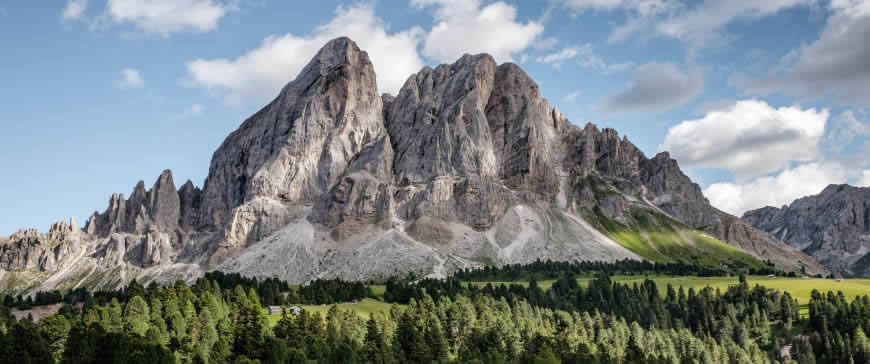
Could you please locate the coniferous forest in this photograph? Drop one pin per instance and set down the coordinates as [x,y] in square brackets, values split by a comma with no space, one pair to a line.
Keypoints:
[221,319]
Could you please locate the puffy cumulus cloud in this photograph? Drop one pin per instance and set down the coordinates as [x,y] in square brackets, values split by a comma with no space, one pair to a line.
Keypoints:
[167,16]
[259,74]
[703,23]
[74,10]
[834,64]
[781,189]
[463,26]
[585,56]
[131,78]
[656,87]
[751,138]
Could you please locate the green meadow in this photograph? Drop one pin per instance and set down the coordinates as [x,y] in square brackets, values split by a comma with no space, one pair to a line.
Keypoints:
[363,308]
[799,288]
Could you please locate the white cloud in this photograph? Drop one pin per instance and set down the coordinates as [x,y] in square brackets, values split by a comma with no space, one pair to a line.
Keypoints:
[656,87]
[836,63]
[642,7]
[571,97]
[585,56]
[778,190]
[864,179]
[556,59]
[844,130]
[193,111]
[462,26]
[74,10]
[131,78]
[545,44]
[703,23]
[259,74]
[642,13]
[700,25]
[751,138]
[167,16]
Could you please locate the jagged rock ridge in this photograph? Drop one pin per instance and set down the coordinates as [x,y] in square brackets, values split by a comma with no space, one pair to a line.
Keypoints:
[833,226]
[467,165]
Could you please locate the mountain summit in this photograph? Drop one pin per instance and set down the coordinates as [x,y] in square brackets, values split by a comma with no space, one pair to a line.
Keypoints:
[468,165]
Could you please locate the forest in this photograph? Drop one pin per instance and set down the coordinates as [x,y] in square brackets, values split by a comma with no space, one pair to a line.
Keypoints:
[220,318]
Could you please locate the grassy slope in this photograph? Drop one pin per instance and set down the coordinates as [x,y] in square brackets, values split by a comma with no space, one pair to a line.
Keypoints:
[364,309]
[661,239]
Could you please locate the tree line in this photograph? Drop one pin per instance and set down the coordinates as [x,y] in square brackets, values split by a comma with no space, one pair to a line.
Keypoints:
[545,270]
[220,319]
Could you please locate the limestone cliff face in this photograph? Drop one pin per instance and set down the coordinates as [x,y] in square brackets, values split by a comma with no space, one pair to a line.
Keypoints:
[467,165]
[833,226]
[295,149]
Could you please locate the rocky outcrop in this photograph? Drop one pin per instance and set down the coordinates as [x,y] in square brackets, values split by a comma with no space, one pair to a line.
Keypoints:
[833,226]
[30,249]
[156,209]
[467,165]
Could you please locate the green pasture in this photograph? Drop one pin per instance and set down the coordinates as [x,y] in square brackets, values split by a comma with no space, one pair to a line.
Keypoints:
[363,308]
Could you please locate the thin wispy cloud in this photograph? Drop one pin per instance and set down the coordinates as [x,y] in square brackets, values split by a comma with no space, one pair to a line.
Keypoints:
[131,78]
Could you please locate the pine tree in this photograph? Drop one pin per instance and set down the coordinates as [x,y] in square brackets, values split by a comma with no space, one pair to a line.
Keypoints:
[410,345]
[136,316]
[634,353]
[435,340]
[26,345]
[374,347]
[546,356]
[79,347]
[249,332]
[55,330]
[135,289]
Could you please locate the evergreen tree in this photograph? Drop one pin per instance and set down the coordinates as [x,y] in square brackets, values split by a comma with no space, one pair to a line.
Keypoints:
[24,345]
[374,346]
[410,345]
[55,330]
[136,316]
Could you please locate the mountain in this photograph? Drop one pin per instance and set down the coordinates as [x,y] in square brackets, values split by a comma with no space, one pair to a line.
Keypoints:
[468,165]
[833,227]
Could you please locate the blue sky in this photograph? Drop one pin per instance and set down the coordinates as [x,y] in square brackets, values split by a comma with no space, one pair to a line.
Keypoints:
[760,102]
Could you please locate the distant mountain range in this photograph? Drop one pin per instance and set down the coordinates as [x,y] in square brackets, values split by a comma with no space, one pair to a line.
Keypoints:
[468,165]
[833,227]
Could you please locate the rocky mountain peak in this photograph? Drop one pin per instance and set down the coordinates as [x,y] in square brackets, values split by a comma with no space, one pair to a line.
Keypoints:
[295,149]
[665,156]
[165,205]
[833,226]
[158,208]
